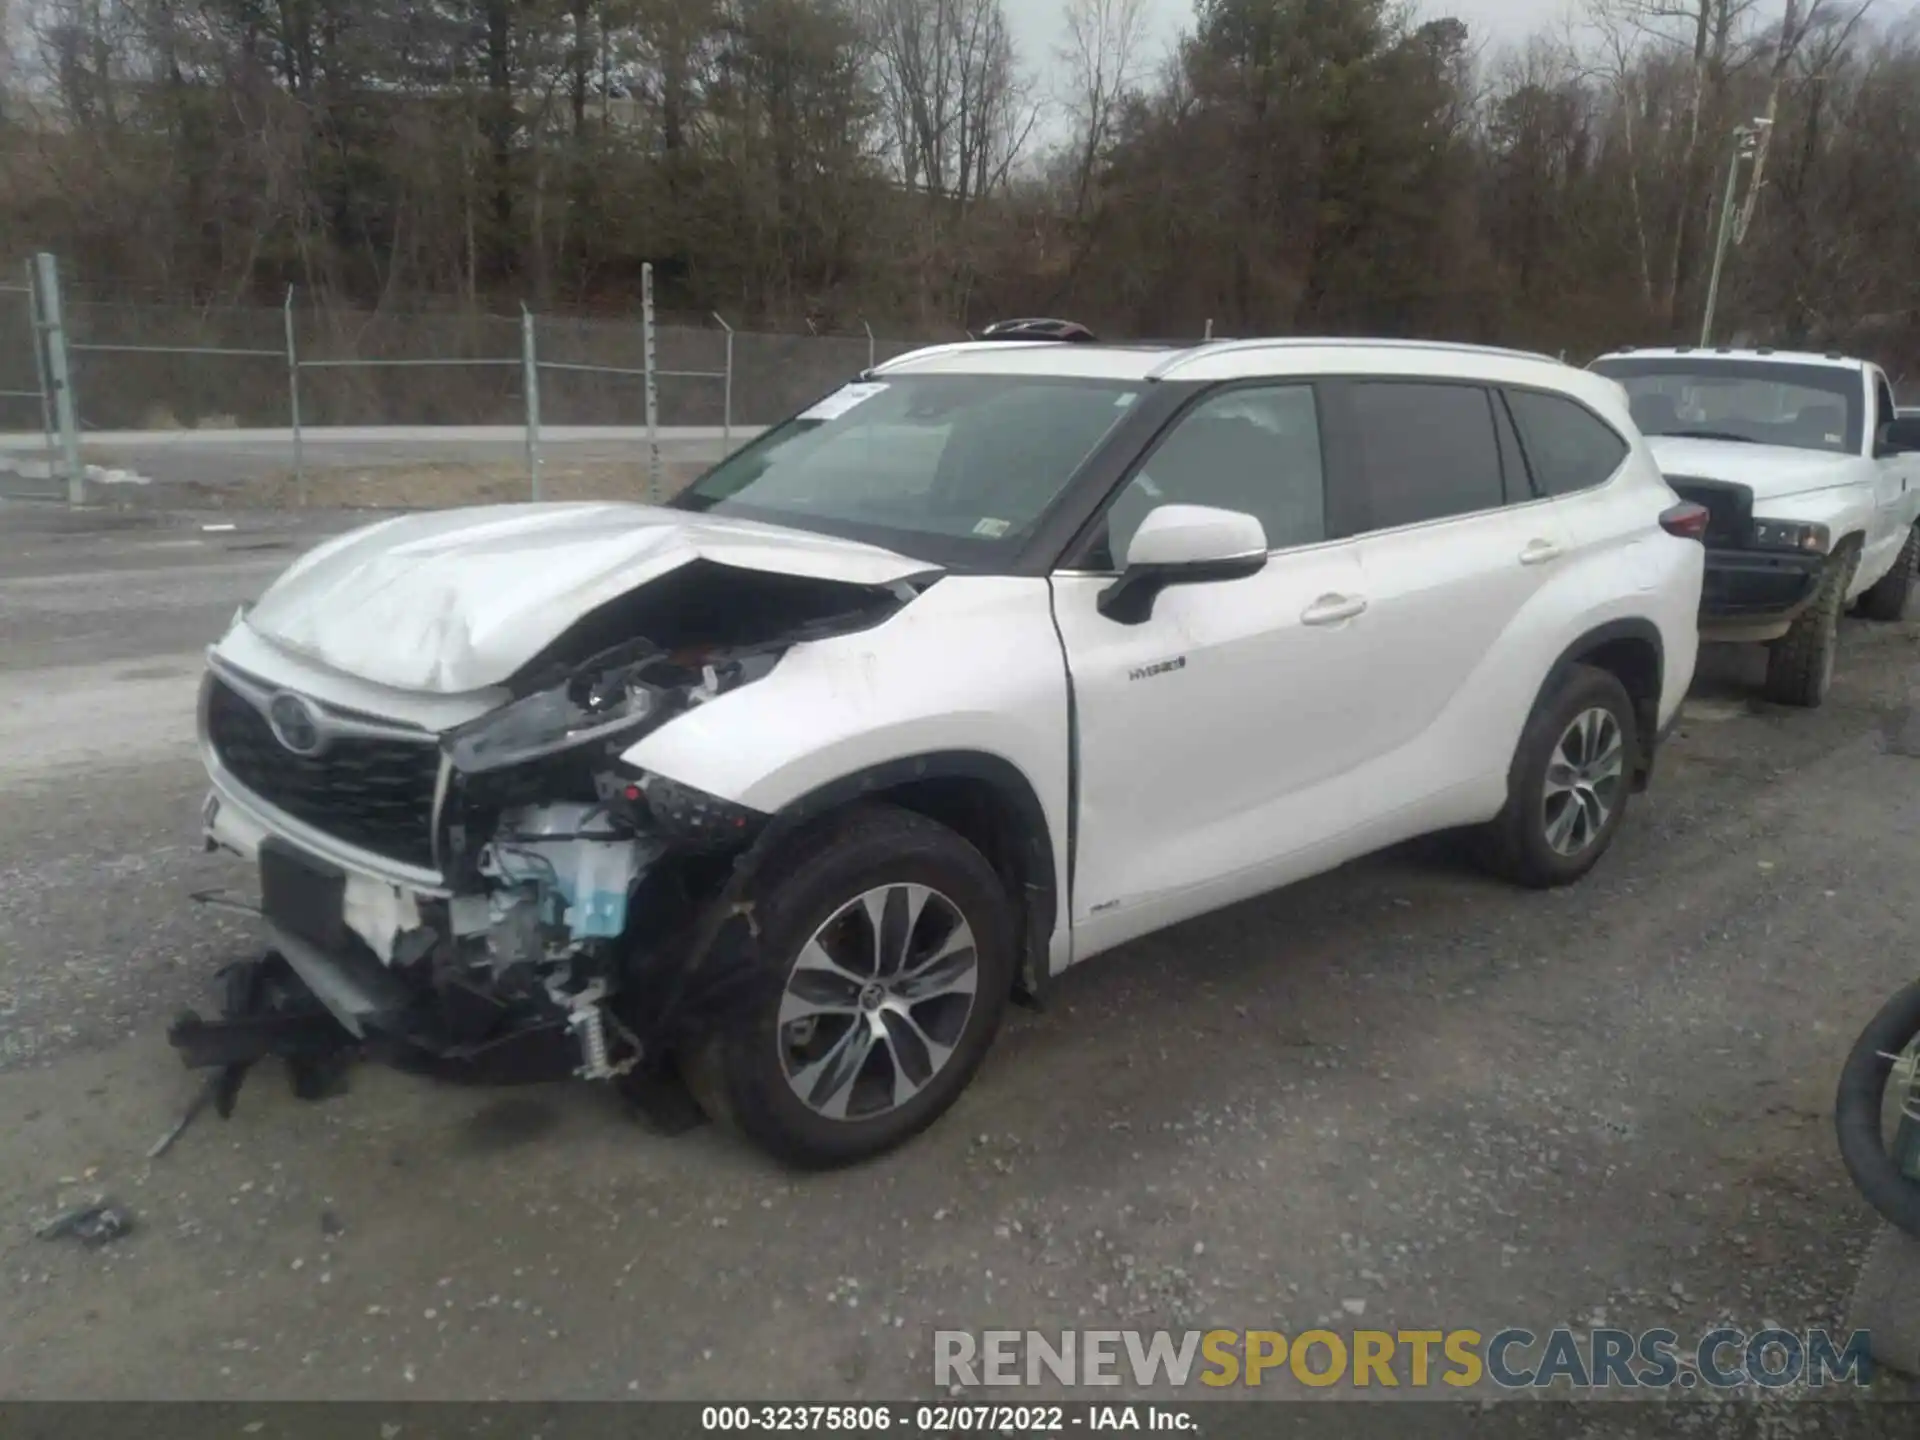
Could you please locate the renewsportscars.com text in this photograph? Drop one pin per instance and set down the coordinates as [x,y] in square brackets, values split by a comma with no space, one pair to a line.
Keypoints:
[1510,1359]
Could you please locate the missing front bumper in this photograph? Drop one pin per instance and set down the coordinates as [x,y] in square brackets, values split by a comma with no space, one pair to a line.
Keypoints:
[271,1010]
[535,976]
[270,1013]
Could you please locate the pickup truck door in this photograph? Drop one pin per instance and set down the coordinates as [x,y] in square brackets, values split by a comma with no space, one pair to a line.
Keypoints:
[1897,482]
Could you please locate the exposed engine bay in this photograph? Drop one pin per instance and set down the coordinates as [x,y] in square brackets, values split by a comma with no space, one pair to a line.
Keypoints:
[580,922]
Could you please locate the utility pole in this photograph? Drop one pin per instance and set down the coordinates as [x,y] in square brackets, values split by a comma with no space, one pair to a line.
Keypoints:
[1746,140]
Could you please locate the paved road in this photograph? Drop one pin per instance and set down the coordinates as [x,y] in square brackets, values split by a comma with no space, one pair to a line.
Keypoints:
[234,457]
[1399,1094]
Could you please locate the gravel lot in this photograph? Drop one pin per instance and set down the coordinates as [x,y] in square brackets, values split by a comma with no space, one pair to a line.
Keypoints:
[1399,1092]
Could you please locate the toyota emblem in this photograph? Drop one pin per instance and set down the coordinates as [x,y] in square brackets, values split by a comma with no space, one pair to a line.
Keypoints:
[294,724]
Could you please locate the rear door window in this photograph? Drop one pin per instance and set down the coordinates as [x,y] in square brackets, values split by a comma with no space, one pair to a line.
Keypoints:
[1427,450]
[1569,447]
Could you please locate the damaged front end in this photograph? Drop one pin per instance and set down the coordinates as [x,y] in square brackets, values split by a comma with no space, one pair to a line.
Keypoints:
[577,900]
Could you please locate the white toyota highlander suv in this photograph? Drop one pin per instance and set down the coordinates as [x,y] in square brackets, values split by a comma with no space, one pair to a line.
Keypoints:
[994,659]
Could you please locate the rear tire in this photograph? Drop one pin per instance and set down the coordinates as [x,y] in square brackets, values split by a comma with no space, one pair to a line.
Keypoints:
[1800,663]
[1886,601]
[908,939]
[1568,786]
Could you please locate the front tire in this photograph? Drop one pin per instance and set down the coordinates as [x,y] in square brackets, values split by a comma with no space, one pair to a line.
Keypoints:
[1886,601]
[1568,785]
[1800,663]
[887,956]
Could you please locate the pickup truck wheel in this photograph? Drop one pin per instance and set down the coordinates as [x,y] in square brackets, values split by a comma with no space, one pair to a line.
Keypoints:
[1886,600]
[1800,663]
[1567,788]
[886,956]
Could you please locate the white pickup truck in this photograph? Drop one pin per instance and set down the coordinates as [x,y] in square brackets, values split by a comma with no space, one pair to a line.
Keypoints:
[1812,480]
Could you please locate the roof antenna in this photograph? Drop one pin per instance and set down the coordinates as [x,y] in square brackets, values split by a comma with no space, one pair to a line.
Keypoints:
[1209,337]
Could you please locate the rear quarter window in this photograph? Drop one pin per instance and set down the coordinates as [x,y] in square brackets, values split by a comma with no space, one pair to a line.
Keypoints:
[1569,448]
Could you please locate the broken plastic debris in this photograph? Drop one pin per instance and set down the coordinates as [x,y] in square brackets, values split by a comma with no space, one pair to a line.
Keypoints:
[218,529]
[95,1223]
[199,1102]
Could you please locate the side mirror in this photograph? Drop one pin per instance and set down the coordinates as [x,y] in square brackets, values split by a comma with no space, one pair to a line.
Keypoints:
[1183,545]
[1900,437]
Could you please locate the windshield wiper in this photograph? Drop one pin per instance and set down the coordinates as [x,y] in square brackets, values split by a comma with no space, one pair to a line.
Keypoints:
[1711,435]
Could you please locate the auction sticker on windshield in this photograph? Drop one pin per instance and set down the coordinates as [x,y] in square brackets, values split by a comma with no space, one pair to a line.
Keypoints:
[843,400]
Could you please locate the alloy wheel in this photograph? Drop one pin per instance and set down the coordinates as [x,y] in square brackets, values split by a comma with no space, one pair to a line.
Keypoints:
[1584,775]
[877,1001]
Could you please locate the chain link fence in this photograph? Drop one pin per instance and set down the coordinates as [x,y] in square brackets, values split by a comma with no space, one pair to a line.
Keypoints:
[28,469]
[301,404]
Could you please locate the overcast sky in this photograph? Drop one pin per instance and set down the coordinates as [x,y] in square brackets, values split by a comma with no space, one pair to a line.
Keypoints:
[1037,22]
[1493,24]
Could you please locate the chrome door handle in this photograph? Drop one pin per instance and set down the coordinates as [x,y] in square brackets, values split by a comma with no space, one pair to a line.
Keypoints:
[1332,609]
[1539,552]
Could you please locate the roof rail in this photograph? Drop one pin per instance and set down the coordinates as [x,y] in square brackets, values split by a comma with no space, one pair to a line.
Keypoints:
[952,347]
[1304,342]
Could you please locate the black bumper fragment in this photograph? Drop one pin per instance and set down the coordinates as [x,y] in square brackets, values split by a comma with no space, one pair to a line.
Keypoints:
[1757,586]
[271,1012]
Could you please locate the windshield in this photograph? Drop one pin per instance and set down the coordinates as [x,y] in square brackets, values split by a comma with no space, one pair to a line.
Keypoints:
[1807,407]
[957,468]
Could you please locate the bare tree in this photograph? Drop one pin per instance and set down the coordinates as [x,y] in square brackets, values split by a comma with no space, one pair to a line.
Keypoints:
[1103,57]
[1706,34]
[1615,62]
[1793,32]
[1306,163]
[958,112]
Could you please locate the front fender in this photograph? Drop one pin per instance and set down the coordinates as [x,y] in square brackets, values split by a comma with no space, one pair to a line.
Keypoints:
[1850,513]
[1844,509]
[974,664]
[972,667]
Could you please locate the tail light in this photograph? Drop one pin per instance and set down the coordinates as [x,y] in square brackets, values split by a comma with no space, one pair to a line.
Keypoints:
[1687,520]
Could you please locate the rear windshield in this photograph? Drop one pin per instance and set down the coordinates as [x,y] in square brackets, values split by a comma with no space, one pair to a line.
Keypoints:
[954,468]
[1760,402]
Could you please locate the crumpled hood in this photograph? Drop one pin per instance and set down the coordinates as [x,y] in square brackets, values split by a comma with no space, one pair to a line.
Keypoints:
[452,601]
[1772,471]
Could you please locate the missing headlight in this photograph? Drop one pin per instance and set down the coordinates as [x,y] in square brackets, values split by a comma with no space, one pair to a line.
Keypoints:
[613,696]
[552,721]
